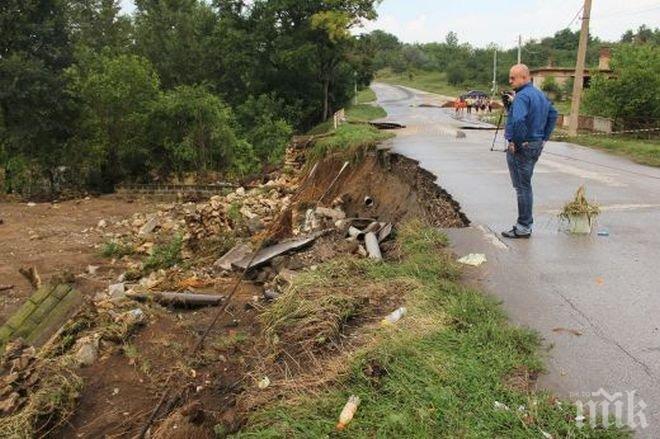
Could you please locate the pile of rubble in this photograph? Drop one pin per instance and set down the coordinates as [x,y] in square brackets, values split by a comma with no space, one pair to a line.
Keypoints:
[19,375]
[242,212]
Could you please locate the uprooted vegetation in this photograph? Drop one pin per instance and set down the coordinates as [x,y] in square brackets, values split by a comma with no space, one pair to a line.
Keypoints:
[302,330]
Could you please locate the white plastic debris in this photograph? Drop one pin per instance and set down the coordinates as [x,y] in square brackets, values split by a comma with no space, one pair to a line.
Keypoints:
[263,383]
[348,412]
[474,259]
[500,406]
[394,316]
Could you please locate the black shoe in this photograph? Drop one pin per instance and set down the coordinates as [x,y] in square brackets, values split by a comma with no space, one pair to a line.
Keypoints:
[513,234]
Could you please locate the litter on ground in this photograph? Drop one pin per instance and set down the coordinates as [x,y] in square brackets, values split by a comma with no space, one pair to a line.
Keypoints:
[473,259]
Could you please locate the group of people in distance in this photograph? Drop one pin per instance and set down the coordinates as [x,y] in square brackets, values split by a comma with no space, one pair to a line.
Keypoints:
[476,104]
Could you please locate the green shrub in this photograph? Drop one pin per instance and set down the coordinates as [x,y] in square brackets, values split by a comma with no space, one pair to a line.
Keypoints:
[116,249]
[165,255]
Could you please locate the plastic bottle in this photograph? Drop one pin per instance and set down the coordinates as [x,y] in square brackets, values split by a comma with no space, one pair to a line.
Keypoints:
[348,412]
[395,316]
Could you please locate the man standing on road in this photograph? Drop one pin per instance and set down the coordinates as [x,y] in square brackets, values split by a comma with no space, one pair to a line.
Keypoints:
[530,122]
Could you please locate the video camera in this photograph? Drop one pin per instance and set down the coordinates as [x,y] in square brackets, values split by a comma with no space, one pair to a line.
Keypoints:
[507,98]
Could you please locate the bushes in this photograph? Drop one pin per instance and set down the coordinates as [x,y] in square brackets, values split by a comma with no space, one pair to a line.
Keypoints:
[551,87]
[263,128]
[633,92]
[191,130]
[130,129]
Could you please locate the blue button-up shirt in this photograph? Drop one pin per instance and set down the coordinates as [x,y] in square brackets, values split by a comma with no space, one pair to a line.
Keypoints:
[531,117]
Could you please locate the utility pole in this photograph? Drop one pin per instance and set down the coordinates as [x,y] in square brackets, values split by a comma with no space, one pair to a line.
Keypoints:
[495,72]
[355,98]
[519,49]
[579,70]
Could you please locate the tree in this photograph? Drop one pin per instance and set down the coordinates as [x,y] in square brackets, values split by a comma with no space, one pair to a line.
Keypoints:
[634,91]
[264,129]
[192,130]
[98,25]
[643,35]
[174,36]
[456,74]
[304,48]
[116,94]
[35,110]
[451,39]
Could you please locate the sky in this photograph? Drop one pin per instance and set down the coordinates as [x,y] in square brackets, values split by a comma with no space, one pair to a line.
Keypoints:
[481,22]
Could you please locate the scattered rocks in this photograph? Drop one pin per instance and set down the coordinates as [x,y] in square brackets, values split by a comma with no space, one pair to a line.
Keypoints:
[92,269]
[149,226]
[333,214]
[18,365]
[117,290]
[87,350]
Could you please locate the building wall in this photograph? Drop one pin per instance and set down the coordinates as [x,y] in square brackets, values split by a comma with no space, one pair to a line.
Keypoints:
[560,79]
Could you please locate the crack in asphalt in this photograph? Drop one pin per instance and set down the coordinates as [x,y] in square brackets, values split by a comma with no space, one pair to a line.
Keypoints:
[600,334]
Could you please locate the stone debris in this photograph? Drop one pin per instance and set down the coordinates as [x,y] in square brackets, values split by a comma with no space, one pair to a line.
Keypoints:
[92,269]
[117,290]
[18,375]
[87,350]
[149,226]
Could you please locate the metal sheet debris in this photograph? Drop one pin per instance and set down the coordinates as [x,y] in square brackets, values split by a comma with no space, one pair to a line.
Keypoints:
[269,253]
[237,253]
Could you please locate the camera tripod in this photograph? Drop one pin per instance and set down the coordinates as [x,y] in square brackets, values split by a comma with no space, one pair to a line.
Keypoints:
[497,130]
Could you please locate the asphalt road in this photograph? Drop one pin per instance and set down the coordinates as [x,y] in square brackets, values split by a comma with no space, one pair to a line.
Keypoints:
[595,299]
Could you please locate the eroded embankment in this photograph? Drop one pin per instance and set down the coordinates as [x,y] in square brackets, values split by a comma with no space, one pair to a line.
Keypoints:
[398,187]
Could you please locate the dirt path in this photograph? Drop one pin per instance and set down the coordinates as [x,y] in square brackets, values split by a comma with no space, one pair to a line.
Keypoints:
[54,238]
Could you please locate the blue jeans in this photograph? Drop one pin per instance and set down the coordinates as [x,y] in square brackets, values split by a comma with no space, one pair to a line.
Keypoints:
[521,168]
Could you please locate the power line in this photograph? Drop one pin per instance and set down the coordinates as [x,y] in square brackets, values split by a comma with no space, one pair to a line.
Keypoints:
[577,14]
[623,13]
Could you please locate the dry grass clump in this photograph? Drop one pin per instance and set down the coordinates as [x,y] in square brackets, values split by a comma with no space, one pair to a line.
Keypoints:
[49,404]
[313,312]
[580,206]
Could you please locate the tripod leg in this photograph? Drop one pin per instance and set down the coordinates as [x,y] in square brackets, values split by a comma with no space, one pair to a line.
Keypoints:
[497,130]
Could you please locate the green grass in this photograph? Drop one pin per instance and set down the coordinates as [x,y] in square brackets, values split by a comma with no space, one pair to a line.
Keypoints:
[434,82]
[444,365]
[644,151]
[366,95]
[364,112]
[165,255]
[348,140]
[116,249]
